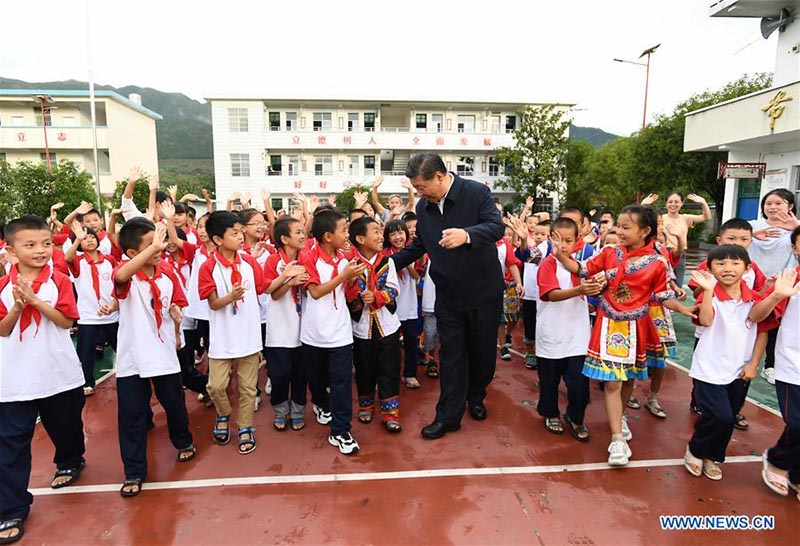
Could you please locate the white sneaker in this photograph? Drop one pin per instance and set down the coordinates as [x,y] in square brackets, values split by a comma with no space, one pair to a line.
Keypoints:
[618,453]
[769,375]
[258,403]
[323,417]
[268,388]
[626,431]
[345,442]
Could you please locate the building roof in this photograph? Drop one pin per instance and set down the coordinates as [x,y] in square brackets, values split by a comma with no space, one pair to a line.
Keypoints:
[82,93]
[752,8]
[382,101]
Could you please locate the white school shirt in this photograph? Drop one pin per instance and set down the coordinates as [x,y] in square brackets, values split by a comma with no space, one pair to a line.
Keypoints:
[727,345]
[234,330]
[104,245]
[183,273]
[428,291]
[283,326]
[388,323]
[88,305]
[42,361]
[326,322]
[787,345]
[406,295]
[529,274]
[144,348]
[198,308]
[562,327]
[749,279]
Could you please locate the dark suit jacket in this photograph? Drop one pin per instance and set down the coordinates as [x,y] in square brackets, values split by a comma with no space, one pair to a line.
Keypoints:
[469,275]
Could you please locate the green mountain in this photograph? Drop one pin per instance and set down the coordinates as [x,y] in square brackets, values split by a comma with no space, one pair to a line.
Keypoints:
[594,136]
[184,133]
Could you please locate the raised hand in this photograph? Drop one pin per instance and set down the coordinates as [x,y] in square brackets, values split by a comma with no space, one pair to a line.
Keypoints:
[704,279]
[234,196]
[135,174]
[246,199]
[83,208]
[154,183]
[406,183]
[694,198]
[173,192]
[378,181]
[77,229]
[313,203]
[788,220]
[785,284]
[766,233]
[650,199]
[529,202]
[205,193]
[360,198]
[167,209]
[332,199]
[265,195]
[56,206]
[160,237]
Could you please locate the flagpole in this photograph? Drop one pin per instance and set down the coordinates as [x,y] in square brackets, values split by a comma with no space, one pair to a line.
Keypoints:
[92,108]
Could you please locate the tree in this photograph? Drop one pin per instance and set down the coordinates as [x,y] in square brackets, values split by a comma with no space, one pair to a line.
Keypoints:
[345,201]
[660,163]
[536,164]
[141,192]
[579,158]
[29,188]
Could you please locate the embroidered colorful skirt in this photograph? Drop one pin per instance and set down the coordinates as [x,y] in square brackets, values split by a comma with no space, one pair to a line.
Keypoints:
[511,303]
[619,349]
[662,320]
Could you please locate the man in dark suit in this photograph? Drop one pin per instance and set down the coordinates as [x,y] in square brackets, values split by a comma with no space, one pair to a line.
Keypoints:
[458,225]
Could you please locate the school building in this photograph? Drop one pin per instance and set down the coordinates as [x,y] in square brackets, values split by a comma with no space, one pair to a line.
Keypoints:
[126,131]
[760,131]
[326,145]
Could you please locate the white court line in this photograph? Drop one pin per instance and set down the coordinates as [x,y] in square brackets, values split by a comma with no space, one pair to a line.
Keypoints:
[686,371]
[377,476]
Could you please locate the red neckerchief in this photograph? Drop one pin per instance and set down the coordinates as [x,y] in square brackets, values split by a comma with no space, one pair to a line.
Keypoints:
[333,263]
[204,251]
[156,295]
[95,272]
[177,264]
[236,275]
[402,272]
[647,249]
[29,313]
[295,289]
[372,278]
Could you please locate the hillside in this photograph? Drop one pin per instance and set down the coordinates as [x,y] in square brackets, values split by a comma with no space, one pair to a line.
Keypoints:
[594,136]
[184,133]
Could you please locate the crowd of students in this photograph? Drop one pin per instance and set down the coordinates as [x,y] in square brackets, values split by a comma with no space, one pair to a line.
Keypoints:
[184,302]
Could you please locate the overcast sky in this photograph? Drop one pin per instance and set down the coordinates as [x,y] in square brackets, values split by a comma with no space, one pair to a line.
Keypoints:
[554,50]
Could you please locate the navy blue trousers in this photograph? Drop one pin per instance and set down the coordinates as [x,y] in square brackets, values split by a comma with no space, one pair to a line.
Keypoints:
[331,367]
[713,430]
[133,414]
[288,375]
[785,454]
[550,373]
[410,329]
[61,419]
[89,337]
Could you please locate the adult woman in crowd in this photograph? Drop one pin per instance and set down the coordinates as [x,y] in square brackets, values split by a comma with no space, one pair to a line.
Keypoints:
[771,249]
[680,223]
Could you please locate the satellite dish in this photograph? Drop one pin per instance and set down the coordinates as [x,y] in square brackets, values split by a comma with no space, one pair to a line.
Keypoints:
[771,24]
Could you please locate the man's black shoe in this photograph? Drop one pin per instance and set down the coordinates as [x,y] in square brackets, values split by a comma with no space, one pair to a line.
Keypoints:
[478,412]
[437,430]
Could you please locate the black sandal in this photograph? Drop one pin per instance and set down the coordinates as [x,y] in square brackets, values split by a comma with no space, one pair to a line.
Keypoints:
[72,473]
[247,445]
[432,370]
[740,422]
[133,482]
[553,424]
[192,454]
[580,432]
[393,426]
[222,435]
[8,525]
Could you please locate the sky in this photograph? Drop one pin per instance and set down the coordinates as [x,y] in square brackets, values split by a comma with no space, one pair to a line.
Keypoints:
[505,50]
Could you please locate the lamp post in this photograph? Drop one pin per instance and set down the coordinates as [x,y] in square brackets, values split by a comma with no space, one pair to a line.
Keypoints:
[646,53]
[44,102]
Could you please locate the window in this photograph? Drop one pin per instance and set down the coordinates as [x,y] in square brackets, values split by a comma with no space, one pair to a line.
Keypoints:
[291,121]
[68,121]
[240,164]
[237,120]
[465,166]
[274,166]
[369,164]
[369,121]
[293,165]
[437,120]
[511,124]
[352,122]
[322,121]
[48,119]
[53,159]
[495,124]
[277,203]
[17,121]
[494,166]
[352,164]
[422,121]
[274,121]
[466,124]
[323,165]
